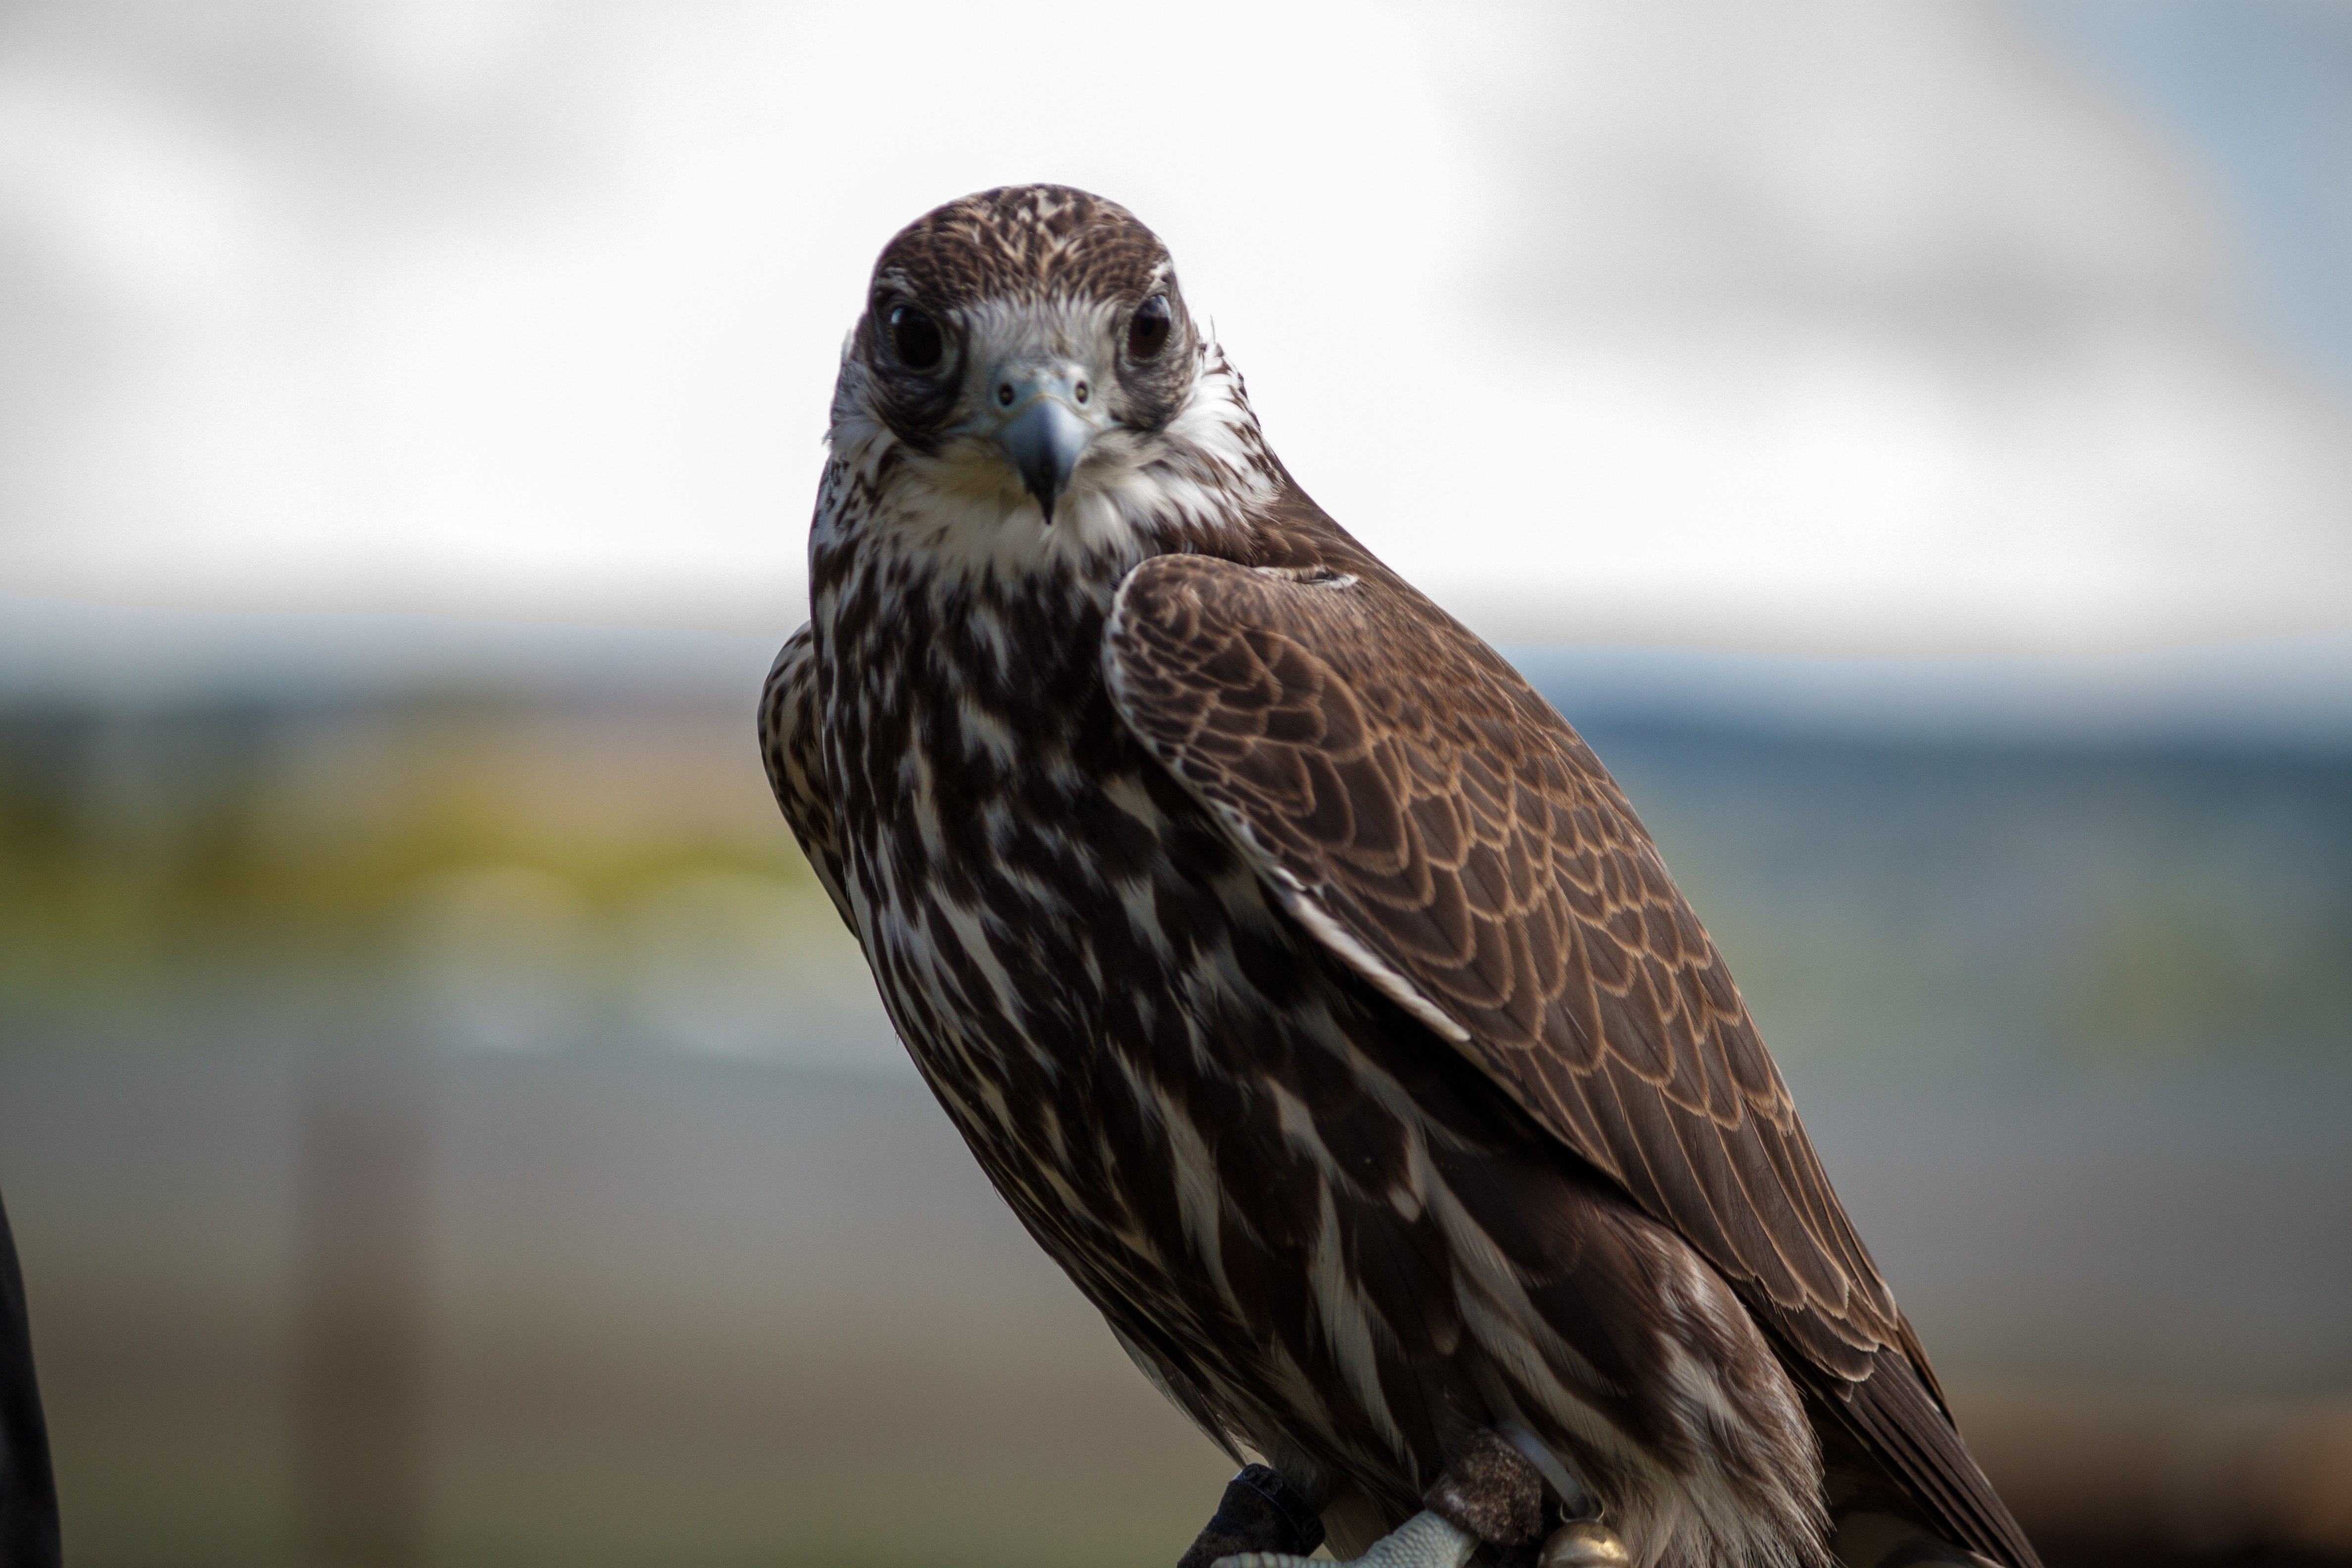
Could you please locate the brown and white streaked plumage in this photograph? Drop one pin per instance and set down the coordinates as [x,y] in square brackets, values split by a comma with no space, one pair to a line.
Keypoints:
[1296,974]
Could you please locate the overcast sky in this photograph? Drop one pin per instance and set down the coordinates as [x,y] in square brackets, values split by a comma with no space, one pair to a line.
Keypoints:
[1853,327]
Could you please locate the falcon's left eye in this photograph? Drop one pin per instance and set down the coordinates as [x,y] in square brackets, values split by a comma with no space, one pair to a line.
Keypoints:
[1147,330]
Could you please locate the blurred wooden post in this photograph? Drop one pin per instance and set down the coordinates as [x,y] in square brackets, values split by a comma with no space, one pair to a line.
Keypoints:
[360,1374]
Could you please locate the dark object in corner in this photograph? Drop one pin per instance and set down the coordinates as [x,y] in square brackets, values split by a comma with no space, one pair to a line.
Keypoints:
[28,1496]
[1261,1513]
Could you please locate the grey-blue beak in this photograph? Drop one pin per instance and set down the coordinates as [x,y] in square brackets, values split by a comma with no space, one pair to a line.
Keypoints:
[1045,438]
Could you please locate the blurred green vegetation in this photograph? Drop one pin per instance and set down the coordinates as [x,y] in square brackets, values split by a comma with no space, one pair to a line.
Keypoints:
[149,859]
[1878,899]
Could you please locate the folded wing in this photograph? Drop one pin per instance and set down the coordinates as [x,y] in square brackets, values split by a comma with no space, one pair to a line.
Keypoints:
[1426,815]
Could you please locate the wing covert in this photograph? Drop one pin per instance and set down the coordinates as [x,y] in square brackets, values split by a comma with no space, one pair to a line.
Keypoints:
[1416,805]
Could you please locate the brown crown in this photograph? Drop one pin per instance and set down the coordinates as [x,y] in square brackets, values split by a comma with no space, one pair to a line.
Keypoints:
[1047,241]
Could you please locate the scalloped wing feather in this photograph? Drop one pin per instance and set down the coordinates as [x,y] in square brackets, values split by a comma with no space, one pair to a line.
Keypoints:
[1430,819]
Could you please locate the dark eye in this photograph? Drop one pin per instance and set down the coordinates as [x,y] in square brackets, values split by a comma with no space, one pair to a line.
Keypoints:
[1146,332]
[915,338]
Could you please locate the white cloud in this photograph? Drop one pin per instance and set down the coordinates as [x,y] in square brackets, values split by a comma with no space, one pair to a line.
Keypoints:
[1832,326]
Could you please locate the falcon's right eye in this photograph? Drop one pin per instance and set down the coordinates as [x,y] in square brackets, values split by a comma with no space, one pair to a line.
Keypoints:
[915,338]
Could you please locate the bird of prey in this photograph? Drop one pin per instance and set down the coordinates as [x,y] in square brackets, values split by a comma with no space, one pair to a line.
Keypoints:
[1300,977]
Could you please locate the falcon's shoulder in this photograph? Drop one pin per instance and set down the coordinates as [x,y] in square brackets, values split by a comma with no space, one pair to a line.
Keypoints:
[789,736]
[1430,818]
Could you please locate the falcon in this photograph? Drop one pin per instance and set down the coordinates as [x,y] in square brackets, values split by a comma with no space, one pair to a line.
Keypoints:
[1301,978]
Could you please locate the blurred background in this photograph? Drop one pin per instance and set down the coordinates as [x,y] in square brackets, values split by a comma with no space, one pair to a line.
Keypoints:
[442,1120]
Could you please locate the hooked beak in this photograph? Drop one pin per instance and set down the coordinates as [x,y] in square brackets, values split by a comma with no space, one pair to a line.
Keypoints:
[1049,422]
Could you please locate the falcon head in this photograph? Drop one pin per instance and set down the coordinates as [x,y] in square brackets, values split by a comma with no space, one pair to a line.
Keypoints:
[1026,369]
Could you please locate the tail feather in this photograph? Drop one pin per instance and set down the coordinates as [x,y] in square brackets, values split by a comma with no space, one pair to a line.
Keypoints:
[1899,1421]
